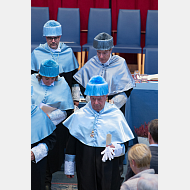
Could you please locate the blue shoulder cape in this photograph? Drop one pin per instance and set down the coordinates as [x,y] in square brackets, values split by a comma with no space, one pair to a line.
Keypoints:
[57,96]
[66,58]
[91,127]
[116,74]
[41,125]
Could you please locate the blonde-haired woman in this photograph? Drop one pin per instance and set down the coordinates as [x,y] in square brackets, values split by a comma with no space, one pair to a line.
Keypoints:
[139,157]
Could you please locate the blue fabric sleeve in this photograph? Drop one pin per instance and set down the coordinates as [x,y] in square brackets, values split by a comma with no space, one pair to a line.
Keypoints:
[69,158]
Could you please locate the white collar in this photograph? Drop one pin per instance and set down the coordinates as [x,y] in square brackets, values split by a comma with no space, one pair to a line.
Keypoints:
[153,145]
[52,84]
[55,50]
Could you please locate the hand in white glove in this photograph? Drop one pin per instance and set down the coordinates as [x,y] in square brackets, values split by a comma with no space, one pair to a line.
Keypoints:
[108,153]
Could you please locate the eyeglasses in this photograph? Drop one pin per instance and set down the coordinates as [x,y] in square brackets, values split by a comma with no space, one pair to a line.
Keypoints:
[53,38]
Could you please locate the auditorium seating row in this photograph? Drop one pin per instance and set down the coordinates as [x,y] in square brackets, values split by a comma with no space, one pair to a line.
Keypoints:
[128,33]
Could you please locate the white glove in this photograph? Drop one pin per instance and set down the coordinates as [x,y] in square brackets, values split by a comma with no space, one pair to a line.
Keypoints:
[120,99]
[76,92]
[119,149]
[108,153]
[57,116]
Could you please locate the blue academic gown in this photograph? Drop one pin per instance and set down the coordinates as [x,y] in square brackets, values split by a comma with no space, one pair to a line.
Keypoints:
[88,130]
[58,96]
[116,74]
[66,59]
[68,64]
[42,131]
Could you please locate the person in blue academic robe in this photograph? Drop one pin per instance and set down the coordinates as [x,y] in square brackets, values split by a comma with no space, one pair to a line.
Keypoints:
[52,91]
[114,70]
[43,139]
[97,164]
[57,51]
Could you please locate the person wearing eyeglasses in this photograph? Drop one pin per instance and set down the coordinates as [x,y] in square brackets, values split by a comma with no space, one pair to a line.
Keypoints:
[114,70]
[57,51]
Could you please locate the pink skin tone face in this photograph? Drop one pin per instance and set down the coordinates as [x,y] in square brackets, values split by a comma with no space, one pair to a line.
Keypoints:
[53,41]
[48,80]
[98,102]
[103,55]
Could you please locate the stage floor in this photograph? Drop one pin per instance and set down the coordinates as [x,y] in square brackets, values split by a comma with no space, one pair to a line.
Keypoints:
[60,181]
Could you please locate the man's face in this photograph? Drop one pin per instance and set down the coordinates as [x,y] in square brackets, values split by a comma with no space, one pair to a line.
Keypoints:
[103,55]
[53,41]
[98,102]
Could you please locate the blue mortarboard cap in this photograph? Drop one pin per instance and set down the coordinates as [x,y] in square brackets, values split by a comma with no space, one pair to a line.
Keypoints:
[52,28]
[103,41]
[49,68]
[97,86]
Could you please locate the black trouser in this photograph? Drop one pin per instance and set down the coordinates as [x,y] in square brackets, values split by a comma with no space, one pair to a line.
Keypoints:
[38,174]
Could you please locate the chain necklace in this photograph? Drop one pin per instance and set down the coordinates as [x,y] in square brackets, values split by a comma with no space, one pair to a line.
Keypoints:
[53,55]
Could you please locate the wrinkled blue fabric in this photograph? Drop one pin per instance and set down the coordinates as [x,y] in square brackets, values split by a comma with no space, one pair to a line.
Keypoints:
[41,125]
[49,68]
[66,59]
[52,31]
[96,86]
[57,96]
[109,120]
[69,158]
[116,74]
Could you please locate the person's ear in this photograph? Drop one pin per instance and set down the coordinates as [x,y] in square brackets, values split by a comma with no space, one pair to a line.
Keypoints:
[149,136]
[133,162]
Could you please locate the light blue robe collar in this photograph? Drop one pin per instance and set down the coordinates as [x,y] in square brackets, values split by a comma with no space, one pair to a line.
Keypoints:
[105,64]
[59,48]
[116,74]
[52,84]
[65,58]
[58,96]
[91,127]
[56,50]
